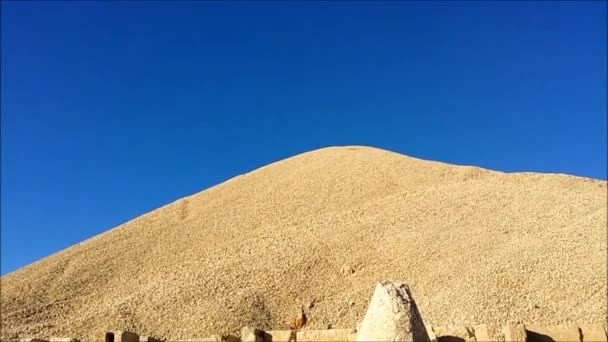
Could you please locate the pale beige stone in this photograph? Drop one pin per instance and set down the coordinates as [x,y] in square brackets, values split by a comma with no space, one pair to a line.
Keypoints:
[63,339]
[392,316]
[148,339]
[454,331]
[593,333]
[212,338]
[230,338]
[280,336]
[252,335]
[514,333]
[482,334]
[331,335]
[121,336]
[431,333]
[553,332]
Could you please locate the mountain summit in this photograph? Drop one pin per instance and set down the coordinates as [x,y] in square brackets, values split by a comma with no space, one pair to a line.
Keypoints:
[323,227]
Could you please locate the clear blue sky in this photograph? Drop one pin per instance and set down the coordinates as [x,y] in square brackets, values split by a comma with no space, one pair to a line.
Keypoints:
[112,109]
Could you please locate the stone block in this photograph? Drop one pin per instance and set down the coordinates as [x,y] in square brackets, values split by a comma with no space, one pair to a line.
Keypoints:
[481,333]
[454,332]
[121,336]
[252,335]
[280,336]
[593,333]
[549,333]
[230,338]
[212,338]
[148,339]
[330,335]
[63,339]
[514,333]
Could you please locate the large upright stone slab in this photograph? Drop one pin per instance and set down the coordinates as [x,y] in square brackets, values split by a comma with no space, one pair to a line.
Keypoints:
[514,332]
[482,334]
[392,315]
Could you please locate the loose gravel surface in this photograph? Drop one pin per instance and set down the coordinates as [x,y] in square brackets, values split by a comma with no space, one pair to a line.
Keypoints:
[319,230]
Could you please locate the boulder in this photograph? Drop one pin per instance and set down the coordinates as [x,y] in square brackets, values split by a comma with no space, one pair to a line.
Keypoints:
[392,315]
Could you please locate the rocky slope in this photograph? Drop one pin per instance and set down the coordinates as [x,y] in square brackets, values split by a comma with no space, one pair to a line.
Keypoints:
[475,246]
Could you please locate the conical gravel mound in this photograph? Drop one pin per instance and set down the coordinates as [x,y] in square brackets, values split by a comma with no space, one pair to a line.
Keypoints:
[475,246]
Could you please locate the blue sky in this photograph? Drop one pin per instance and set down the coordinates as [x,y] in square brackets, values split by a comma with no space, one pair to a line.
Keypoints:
[112,109]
